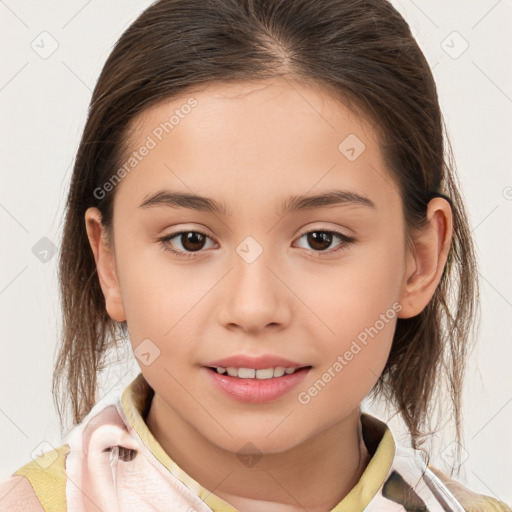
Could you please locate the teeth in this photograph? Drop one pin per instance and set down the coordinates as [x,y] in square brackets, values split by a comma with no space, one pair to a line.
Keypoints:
[251,373]
[232,372]
[280,371]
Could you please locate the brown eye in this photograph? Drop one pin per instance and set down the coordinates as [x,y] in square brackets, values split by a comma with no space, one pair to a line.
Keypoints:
[321,240]
[190,242]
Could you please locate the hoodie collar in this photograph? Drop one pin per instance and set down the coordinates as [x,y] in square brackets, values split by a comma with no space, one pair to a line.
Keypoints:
[136,400]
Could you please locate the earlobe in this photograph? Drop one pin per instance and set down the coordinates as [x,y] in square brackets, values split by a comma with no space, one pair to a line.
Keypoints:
[104,257]
[425,265]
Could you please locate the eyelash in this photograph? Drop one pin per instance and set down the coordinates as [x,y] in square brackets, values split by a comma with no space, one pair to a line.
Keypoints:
[345,241]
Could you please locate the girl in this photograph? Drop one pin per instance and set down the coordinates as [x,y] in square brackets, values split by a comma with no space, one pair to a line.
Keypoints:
[262,202]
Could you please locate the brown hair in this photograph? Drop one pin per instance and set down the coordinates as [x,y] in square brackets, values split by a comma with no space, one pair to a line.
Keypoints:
[365,54]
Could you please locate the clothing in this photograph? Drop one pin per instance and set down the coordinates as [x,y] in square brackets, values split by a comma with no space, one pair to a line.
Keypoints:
[111,462]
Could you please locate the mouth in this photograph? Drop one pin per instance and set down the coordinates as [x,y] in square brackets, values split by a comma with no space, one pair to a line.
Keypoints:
[255,385]
[256,373]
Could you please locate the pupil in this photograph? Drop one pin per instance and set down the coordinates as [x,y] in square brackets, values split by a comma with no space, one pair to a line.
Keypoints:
[193,241]
[319,238]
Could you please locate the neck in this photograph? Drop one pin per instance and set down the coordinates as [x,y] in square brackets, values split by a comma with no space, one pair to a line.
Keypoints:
[315,475]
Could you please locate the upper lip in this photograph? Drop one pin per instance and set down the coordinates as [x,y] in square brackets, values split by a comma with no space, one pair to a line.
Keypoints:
[258,363]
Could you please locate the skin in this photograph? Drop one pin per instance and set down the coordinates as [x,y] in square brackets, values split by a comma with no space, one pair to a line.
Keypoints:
[252,146]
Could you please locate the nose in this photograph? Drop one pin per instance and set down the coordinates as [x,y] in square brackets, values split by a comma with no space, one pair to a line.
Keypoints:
[254,296]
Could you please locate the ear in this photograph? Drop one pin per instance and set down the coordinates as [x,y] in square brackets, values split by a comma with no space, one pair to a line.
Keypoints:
[105,264]
[425,264]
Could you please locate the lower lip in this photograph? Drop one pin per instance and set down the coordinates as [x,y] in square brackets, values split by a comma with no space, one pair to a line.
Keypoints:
[256,391]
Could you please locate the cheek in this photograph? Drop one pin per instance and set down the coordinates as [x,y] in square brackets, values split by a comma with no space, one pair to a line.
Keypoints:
[163,305]
[156,294]
[353,356]
[358,305]
[353,295]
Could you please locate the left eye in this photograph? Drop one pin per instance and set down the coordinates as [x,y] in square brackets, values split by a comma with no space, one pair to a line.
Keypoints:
[194,241]
[319,239]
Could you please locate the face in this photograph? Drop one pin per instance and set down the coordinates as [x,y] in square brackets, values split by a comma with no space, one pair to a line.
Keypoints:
[320,285]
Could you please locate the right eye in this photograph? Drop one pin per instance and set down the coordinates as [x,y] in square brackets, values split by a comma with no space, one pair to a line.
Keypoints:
[190,241]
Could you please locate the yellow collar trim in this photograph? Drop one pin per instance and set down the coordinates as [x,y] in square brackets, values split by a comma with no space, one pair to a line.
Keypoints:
[47,476]
[134,401]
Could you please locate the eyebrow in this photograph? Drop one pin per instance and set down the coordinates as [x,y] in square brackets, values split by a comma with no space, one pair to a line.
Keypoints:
[292,204]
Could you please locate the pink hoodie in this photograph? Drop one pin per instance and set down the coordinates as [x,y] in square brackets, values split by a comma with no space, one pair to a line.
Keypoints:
[112,463]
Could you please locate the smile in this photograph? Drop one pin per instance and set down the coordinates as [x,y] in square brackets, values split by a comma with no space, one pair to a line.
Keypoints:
[255,386]
[252,373]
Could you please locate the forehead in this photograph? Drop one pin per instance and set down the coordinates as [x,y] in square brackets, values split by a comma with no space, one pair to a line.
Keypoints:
[254,138]
[251,107]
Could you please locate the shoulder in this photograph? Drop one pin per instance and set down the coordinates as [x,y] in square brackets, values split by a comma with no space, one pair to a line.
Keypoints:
[38,486]
[471,501]
[17,495]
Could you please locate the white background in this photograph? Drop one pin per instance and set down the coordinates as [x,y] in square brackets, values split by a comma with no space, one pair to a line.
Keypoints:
[44,103]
